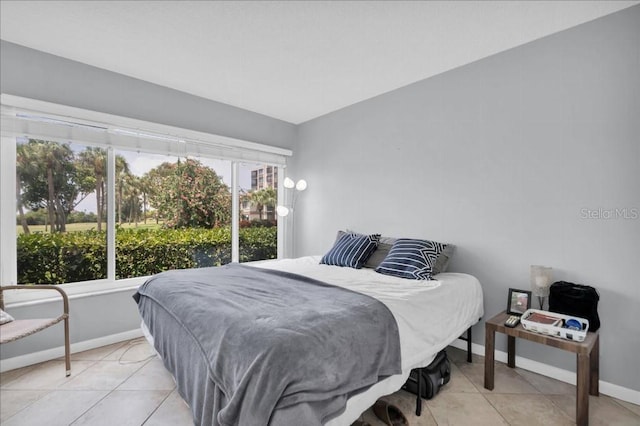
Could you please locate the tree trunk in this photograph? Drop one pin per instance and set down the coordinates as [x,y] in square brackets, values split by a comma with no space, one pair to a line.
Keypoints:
[99,201]
[50,203]
[136,212]
[61,217]
[119,204]
[103,193]
[23,220]
[144,207]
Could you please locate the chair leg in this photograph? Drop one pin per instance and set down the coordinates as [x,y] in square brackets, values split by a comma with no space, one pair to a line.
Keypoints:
[67,348]
[419,393]
[469,359]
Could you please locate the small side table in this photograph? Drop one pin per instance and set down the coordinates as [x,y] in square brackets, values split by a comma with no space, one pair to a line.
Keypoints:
[588,358]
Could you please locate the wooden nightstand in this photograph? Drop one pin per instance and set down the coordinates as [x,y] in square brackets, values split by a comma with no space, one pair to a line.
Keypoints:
[587,353]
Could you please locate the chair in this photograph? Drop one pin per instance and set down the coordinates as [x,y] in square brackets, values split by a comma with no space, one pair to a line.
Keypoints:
[20,328]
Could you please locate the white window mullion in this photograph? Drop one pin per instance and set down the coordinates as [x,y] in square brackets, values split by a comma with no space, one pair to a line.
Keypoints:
[235,214]
[281,219]
[8,233]
[111,215]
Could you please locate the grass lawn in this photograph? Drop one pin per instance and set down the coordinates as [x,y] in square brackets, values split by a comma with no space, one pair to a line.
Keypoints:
[72,227]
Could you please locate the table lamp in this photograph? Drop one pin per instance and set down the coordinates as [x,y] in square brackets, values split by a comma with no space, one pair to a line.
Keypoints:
[540,282]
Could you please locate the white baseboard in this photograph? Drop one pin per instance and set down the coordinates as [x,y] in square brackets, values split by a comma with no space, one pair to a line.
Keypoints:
[53,353]
[616,391]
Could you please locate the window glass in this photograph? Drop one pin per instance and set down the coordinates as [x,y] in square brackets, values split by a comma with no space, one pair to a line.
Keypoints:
[171,213]
[61,213]
[96,202]
[258,196]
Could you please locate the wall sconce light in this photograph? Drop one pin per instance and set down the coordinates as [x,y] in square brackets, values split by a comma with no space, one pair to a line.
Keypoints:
[299,186]
[541,277]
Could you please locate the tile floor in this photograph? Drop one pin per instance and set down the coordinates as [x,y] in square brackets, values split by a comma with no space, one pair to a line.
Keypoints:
[125,384]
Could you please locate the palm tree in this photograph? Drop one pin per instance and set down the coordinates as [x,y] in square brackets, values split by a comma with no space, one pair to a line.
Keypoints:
[131,198]
[262,198]
[25,172]
[94,160]
[122,179]
[244,199]
[57,163]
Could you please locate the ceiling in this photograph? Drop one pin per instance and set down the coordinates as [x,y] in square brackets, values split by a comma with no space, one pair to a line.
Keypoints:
[290,60]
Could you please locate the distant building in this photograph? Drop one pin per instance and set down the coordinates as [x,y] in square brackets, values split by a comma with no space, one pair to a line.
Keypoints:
[261,178]
[264,177]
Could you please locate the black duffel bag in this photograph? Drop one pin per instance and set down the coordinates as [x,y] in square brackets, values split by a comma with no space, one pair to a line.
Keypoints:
[575,300]
[434,376]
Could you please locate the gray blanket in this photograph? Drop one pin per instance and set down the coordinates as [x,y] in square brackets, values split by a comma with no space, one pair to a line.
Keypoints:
[251,346]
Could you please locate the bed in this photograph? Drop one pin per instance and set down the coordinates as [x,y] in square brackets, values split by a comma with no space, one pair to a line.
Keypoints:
[429,316]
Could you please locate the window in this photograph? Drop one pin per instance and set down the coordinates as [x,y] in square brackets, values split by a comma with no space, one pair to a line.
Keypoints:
[171,212]
[98,203]
[258,220]
[57,242]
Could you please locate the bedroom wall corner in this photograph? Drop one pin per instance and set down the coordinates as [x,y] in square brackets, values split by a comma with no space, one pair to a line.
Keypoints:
[530,156]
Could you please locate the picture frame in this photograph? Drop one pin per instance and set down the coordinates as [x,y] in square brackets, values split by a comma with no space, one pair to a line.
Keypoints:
[518,301]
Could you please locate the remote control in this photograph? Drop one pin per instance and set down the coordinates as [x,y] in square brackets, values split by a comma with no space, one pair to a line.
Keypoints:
[512,321]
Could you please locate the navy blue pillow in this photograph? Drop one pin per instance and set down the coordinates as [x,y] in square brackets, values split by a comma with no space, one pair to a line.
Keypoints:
[351,250]
[413,259]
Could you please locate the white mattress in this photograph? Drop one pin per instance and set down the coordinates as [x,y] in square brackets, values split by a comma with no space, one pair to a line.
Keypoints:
[430,315]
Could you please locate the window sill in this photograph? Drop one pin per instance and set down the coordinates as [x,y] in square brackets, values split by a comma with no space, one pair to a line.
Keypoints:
[18,298]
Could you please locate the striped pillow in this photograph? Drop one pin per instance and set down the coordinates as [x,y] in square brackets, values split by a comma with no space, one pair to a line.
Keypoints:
[351,250]
[412,259]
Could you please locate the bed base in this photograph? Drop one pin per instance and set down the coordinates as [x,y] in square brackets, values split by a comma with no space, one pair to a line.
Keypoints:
[466,338]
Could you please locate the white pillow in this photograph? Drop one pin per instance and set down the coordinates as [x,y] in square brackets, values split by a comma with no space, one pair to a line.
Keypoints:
[5,317]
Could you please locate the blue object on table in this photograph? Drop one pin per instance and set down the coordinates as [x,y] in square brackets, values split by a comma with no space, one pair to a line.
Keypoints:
[573,324]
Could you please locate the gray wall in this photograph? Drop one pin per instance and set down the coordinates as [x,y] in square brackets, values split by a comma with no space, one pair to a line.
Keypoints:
[500,157]
[33,74]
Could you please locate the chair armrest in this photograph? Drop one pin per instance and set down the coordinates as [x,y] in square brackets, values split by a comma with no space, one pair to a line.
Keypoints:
[65,299]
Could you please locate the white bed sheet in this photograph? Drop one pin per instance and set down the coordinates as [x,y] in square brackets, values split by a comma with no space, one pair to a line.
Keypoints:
[430,315]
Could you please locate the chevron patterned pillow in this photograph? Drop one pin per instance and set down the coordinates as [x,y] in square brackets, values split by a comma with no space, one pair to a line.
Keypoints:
[412,259]
[351,250]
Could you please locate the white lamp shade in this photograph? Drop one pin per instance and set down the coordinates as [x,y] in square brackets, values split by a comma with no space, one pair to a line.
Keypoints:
[288,183]
[301,185]
[541,278]
[282,211]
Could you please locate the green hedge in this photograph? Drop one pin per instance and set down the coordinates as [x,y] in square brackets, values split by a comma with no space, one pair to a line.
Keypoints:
[45,258]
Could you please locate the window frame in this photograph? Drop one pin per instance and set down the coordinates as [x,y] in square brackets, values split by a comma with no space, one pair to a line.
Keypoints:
[12,105]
